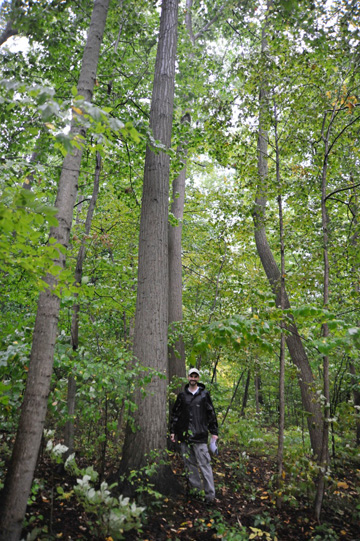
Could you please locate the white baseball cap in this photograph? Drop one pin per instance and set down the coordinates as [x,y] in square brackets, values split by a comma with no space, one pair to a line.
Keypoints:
[193,371]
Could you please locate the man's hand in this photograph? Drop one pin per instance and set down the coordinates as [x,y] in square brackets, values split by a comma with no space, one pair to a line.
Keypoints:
[172,437]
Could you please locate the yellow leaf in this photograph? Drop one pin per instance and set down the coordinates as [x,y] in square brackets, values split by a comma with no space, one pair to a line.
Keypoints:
[77,110]
[50,126]
[342,484]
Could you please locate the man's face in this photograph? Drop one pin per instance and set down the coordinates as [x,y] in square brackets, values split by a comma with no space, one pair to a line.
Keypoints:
[193,379]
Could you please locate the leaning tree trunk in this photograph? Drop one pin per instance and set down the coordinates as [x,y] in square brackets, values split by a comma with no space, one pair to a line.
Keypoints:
[71,391]
[151,317]
[293,340]
[33,411]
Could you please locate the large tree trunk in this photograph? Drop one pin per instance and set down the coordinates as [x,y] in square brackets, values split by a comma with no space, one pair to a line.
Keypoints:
[21,471]
[151,318]
[293,340]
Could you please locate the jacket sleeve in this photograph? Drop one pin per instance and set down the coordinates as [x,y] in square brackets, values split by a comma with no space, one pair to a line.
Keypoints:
[175,414]
[211,416]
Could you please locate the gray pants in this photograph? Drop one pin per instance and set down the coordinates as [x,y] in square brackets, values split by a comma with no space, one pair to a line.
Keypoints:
[196,457]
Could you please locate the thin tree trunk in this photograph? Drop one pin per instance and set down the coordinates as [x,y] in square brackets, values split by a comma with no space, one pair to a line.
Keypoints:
[356,393]
[258,395]
[246,394]
[71,394]
[324,459]
[177,350]
[151,318]
[32,418]
[280,451]
[293,340]
[356,398]
[233,397]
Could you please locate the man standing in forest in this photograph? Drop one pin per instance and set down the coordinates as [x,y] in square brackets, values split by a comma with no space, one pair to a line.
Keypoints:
[192,418]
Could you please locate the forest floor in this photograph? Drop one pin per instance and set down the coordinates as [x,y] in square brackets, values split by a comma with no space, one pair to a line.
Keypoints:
[243,501]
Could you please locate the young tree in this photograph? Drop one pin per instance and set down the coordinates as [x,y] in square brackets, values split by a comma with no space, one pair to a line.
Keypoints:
[151,318]
[293,339]
[21,471]
[177,350]
[71,393]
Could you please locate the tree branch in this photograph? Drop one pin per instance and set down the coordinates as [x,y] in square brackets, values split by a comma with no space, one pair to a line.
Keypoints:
[342,190]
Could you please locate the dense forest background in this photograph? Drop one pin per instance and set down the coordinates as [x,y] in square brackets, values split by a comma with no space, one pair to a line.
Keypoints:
[179,187]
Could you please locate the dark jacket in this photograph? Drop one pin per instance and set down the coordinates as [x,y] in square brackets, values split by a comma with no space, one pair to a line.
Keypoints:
[193,416]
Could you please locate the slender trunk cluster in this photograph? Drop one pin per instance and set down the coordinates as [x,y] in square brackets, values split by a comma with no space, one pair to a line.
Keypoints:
[71,394]
[293,340]
[33,411]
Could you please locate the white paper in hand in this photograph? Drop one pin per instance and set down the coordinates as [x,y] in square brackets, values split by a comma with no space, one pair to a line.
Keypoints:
[213,447]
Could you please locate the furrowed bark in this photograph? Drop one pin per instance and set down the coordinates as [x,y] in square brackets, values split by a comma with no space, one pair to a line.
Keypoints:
[151,318]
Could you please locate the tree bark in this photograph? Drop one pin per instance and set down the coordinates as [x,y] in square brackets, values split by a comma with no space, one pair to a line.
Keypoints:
[32,418]
[151,317]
